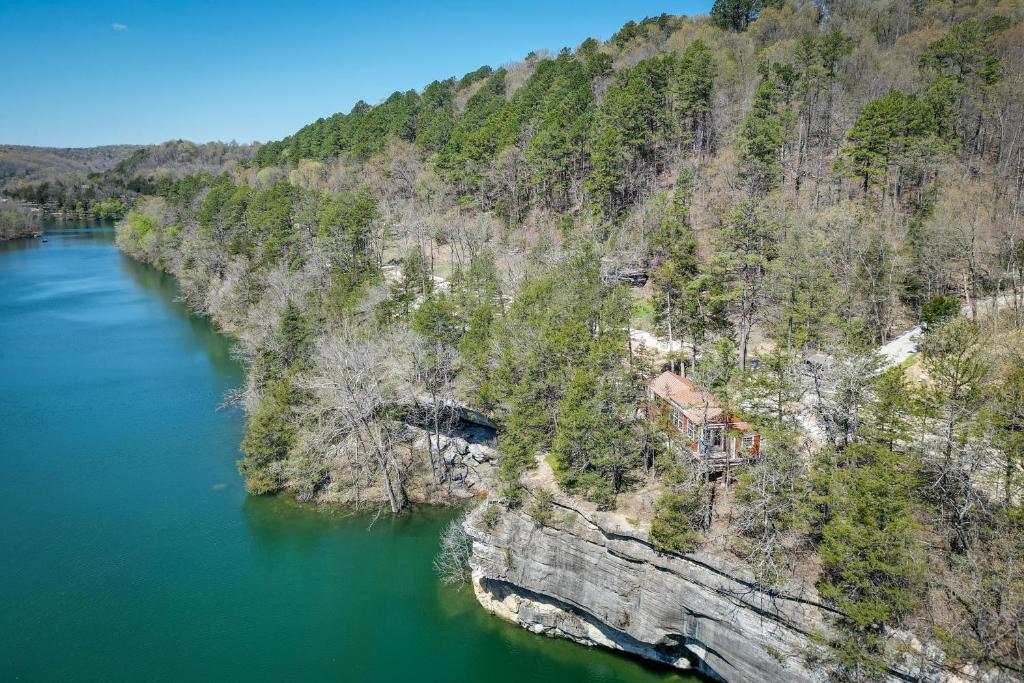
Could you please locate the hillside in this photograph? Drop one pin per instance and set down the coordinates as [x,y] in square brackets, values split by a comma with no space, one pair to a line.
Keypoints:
[21,163]
[102,181]
[767,195]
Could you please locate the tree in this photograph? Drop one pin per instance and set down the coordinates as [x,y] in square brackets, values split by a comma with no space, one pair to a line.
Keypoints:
[871,560]
[1007,415]
[735,15]
[772,392]
[673,261]
[957,455]
[270,435]
[693,91]
[434,364]
[593,445]
[966,69]
[761,138]
[766,507]
[676,526]
[356,383]
[747,243]
[939,309]
[885,132]
[627,143]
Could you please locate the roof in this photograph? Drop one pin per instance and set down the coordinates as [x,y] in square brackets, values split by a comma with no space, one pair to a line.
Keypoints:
[684,394]
[681,391]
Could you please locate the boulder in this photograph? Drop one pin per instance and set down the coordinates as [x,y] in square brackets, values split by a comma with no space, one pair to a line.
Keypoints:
[481,453]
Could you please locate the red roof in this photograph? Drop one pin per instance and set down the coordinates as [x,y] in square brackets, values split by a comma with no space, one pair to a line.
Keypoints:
[690,399]
[681,391]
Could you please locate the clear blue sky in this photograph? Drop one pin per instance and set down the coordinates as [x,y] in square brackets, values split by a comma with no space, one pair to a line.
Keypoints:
[81,73]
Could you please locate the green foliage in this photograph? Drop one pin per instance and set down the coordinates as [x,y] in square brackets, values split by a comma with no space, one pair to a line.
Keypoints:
[761,138]
[633,29]
[772,392]
[562,321]
[736,15]
[563,120]
[807,294]
[871,558]
[631,122]
[490,516]
[673,260]
[894,404]
[886,132]
[293,336]
[938,309]
[542,507]
[966,53]
[270,434]
[676,527]
[139,227]
[436,319]
[693,91]
[359,135]
[593,437]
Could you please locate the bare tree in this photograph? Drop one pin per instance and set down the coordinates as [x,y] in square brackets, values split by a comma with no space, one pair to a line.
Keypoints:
[356,383]
[434,368]
[452,560]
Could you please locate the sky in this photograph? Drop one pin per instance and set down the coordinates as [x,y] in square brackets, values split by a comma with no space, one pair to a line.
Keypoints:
[80,73]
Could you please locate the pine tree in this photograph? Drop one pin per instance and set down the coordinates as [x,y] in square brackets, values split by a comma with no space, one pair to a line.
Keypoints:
[761,138]
[871,560]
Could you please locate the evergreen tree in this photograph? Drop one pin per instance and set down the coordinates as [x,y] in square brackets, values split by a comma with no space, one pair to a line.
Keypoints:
[693,91]
[735,15]
[761,138]
[270,434]
[871,560]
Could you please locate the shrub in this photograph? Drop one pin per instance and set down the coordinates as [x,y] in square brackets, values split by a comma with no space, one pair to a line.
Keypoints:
[676,524]
[542,508]
[490,517]
[938,309]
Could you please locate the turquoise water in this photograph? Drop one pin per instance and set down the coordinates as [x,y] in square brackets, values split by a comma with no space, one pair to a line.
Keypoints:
[130,551]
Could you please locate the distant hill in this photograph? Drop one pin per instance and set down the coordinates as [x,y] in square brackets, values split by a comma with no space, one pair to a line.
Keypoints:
[102,181]
[22,162]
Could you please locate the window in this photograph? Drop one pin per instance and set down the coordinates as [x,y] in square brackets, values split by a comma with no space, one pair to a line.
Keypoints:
[691,431]
[748,440]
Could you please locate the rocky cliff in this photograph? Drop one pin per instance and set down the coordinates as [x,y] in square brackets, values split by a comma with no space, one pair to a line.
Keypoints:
[594,578]
[590,577]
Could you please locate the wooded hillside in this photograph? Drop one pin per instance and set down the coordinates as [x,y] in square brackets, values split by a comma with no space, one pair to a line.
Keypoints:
[774,191]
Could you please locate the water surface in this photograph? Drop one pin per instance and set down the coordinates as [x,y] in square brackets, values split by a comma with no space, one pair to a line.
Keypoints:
[129,550]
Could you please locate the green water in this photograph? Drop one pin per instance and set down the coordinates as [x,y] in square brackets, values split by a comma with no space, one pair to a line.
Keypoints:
[130,551]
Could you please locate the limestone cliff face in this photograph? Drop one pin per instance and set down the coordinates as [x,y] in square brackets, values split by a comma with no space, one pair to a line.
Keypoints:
[589,579]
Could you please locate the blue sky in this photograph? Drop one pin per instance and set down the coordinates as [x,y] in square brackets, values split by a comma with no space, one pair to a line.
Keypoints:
[89,73]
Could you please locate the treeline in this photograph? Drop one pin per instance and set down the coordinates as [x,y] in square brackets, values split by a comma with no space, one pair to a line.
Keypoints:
[536,136]
[778,182]
[108,193]
[17,221]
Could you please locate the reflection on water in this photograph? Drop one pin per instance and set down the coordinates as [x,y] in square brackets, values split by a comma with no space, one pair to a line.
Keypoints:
[166,289]
[130,550]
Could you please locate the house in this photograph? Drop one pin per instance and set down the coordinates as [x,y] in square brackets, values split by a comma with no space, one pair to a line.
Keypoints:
[699,418]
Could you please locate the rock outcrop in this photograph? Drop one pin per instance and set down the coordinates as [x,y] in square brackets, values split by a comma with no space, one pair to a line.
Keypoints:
[584,579]
[594,578]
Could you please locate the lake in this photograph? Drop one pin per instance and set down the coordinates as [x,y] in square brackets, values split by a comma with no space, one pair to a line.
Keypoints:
[130,550]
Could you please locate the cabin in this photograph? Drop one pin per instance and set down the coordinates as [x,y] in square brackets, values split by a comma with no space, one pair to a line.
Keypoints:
[699,418]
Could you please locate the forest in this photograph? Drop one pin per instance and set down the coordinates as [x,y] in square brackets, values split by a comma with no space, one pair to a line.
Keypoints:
[102,182]
[775,191]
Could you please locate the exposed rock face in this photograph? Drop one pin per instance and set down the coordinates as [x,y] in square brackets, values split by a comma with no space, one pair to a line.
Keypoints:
[584,580]
[469,462]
